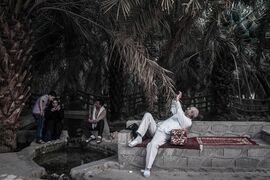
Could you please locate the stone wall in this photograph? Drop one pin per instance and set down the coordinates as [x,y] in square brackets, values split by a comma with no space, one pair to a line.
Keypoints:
[49,147]
[223,128]
[227,128]
[213,157]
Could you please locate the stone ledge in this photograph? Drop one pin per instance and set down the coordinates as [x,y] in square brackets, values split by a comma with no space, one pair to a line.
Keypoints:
[87,171]
[266,133]
[72,114]
[213,157]
[21,163]
[226,128]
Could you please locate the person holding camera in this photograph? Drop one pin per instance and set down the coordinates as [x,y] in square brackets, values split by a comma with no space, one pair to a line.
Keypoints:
[54,115]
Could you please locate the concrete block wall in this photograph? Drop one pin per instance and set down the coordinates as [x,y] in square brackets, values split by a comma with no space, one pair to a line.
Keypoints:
[228,128]
[49,147]
[213,157]
[223,128]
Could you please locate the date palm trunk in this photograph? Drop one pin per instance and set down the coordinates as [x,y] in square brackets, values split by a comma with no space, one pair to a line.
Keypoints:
[116,87]
[15,49]
[222,80]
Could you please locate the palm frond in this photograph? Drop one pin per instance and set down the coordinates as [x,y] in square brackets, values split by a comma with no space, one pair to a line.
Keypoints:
[166,5]
[135,58]
[122,6]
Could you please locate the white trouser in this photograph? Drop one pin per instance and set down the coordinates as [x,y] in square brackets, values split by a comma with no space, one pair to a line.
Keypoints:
[148,124]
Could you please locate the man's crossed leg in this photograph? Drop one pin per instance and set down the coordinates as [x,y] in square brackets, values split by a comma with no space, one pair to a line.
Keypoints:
[148,125]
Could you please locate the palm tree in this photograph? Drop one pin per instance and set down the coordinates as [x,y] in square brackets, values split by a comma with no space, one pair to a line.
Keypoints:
[16,42]
[158,42]
[75,17]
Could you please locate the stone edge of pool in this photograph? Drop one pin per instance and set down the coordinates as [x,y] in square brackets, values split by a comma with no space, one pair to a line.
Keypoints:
[22,165]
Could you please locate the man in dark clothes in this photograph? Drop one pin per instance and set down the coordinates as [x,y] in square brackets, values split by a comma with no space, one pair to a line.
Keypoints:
[96,121]
[53,123]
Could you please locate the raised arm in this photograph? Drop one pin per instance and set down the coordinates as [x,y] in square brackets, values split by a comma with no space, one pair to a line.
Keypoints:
[179,111]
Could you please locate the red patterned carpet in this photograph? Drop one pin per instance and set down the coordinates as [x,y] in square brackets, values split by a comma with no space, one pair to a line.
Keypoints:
[195,142]
[192,143]
[209,140]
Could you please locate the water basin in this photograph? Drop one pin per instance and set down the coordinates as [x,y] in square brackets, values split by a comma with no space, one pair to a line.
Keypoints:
[62,161]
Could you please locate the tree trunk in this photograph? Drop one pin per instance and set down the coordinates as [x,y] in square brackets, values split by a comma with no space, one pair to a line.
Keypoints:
[116,87]
[222,81]
[15,48]
[264,83]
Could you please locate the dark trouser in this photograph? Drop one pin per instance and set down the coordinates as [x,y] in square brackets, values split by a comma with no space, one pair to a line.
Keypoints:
[87,128]
[58,130]
[49,128]
[53,130]
[39,121]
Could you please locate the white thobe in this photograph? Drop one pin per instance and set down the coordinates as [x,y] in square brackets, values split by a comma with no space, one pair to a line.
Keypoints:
[161,132]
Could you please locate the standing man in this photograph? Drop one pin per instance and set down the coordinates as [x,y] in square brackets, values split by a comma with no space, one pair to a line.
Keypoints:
[161,132]
[38,113]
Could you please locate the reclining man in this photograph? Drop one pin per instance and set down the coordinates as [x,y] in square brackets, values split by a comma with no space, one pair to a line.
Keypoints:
[161,132]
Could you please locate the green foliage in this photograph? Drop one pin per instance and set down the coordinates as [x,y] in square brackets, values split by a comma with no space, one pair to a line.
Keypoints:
[159,42]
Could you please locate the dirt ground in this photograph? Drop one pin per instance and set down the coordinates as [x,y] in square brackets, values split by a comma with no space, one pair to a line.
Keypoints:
[116,174]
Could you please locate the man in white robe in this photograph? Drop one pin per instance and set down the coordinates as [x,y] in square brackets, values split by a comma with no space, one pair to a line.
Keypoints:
[161,132]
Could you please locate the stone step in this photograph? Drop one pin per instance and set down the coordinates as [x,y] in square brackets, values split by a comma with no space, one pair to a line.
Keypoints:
[209,157]
[248,157]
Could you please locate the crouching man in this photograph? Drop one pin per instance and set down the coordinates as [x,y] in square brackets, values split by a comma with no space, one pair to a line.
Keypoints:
[161,132]
[96,121]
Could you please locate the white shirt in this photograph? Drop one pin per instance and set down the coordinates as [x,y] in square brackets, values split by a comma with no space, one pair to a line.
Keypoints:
[177,121]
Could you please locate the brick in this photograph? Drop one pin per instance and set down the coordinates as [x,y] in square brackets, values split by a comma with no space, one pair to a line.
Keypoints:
[266,129]
[191,152]
[200,128]
[193,134]
[174,162]
[166,152]
[223,162]
[159,162]
[265,163]
[141,152]
[239,128]
[209,134]
[231,134]
[123,149]
[246,163]
[178,152]
[266,137]
[258,152]
[212,152]
[219,128]
[233,152]
[125,159]
[160,151]
[207,162]
[138,161]
[255,129]
[194,162]
[124,137]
